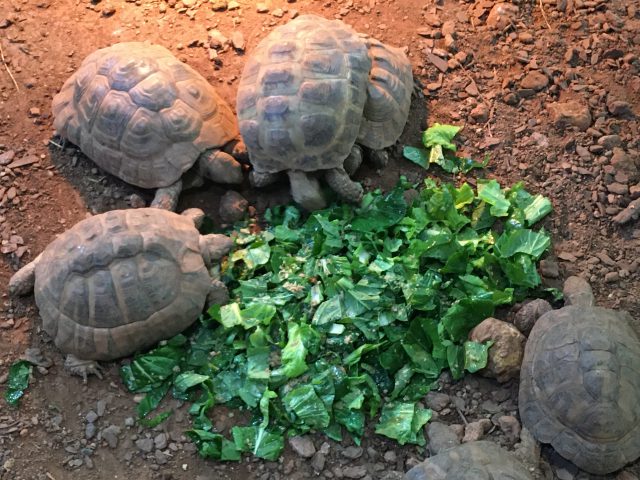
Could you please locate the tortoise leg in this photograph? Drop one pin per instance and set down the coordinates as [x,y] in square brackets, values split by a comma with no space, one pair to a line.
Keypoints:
[259,180]
[378,158]
[306,190]
[354,160]
[166,198]
[220,167]
[218,295]
[22,282]
[82,368]
[342,184]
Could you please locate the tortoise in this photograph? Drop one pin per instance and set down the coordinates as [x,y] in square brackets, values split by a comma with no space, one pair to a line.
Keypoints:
[580,382]
[121,281]
[147,118]
[480,460]
[312,92]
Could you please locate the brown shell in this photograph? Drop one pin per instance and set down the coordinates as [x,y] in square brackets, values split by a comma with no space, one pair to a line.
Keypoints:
[580,386]
[301,95]
[121,281]
[141,114]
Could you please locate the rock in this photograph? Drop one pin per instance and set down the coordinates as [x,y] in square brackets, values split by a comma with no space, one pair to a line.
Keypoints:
[475,431]
[619,108]
[358,471]
[352,452]
[101,407]
[129,422]
[534,80]
[145,444]
[160,441]
[510,426]
[480,114]
[529,313]
[318,461]
[622,161]
[528,450]
[34,112]
[610,141]
[110,435]
[437,401]
[505,355]
[90,431]
[7,157]
[502,15]
[108,10]
[237,40]
[161,458]
[262,8]
[91,416]
[217,39]
[278,13]
[390,456]
[612,277]
[441,437]
[303,446]
[618,188]
[232,207]
[218,5]
[570,114]
[233,5]
[549,268]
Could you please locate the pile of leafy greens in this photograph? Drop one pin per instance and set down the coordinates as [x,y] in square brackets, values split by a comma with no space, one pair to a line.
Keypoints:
[348,315]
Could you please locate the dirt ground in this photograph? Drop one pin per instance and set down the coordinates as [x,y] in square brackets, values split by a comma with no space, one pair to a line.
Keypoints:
[507,79]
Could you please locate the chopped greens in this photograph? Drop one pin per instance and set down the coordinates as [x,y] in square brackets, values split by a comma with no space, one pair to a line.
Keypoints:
[17,382]
[439,149]
[349,315]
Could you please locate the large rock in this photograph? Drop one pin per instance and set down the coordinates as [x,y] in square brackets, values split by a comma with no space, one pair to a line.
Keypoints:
[570,114]
[505,355]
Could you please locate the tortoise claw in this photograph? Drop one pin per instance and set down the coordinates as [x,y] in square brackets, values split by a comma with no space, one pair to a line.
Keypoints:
[82,368]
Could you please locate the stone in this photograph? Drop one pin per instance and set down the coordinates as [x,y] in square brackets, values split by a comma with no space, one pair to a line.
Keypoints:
[262,8]
[505,355]
[610,141]
[534,80]
[502,15]
[318,461]
[237,40]
[437,401]
[233,5]
[90,431]
[352,452]
[480,114]
[217,39]
[390,456]
[357,471]
[475,431]
[218,5]
[110,435]
[549,268]
[618,188]
[145,444]
[233,207]
[529,313]
[622,161]
[441,437]
[510,426]
[160,441]
[619,108]
[570,114]
[91,416]
[7,157]
[278,13]
[303,446]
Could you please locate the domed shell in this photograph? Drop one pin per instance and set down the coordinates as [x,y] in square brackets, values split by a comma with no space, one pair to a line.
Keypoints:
[388,96]
[580,386]
[121,281]
[482,460]
[301,95]
[141,114]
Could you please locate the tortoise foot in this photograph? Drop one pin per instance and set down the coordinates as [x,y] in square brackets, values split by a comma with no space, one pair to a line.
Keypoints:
[82,368]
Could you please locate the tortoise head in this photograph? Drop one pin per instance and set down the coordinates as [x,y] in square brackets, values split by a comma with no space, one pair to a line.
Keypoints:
[214,246]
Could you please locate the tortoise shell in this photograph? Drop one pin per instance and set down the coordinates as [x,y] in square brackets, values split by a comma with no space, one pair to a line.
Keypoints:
[481,460]
[302,94]
[388,96]
[580,386]
[141,114]
[121,281]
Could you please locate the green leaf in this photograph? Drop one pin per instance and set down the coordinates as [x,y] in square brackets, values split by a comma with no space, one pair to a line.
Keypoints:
[267,445]
[307,406]
[403,422]
[539,208]
[186,380]
[17,382]
[476,355]
[522,241]
[152,399]
[214,445]
[294,353]
[382,213]
[490,192]
[416,155]
[328,311]
[465,314]
[155,421]
[441,135]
